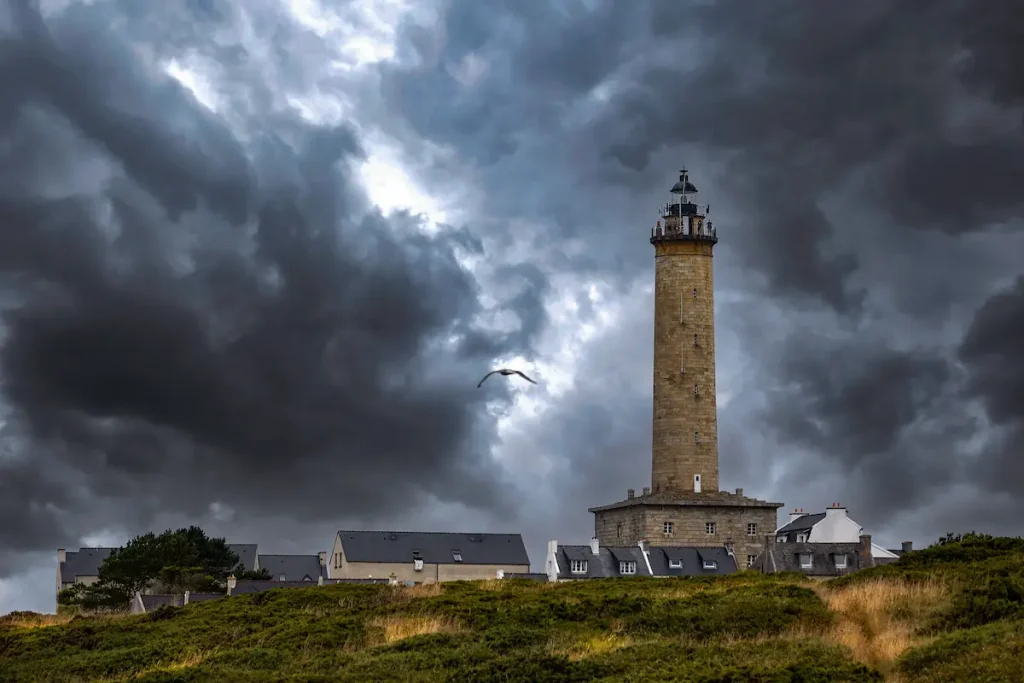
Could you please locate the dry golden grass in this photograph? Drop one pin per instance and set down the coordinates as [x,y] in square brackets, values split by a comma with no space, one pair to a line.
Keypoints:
[30,620]
[399,627]
[589,646]
[878,620]
[186,661]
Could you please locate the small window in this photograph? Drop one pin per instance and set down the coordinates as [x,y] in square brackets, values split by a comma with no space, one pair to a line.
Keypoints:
[780,539]
[627,567]
[456,556]
[694,292]
[675,564]
[667,527]
[416,555]
[710,564]
[801,538]
[751,529]
[840,561]
[618,531]
[696,437]
[709,528]
[696,390]
[750,560]
[806,561]
[578,566]
[695,341]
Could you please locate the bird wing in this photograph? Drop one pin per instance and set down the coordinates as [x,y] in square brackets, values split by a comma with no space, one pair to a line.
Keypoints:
[523,375]
[485,378]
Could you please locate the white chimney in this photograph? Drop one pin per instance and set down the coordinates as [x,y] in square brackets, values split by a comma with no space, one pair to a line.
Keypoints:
[594,546]
[62,555]
[501,574]
[231,583]
[834,511]
[552,547]
[795,515]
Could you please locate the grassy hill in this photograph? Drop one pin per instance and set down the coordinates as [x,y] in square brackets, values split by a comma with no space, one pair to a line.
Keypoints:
[949,613]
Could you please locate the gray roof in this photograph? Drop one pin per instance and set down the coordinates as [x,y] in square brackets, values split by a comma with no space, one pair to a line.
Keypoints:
[601,566]
[530,576]
[203,597]
[785,557]
[84,562]
[800,524]
[691,561]
[152,602]
[331,582]
[247,586]
[246,553]
[433,547]
[293,567]
[690,499]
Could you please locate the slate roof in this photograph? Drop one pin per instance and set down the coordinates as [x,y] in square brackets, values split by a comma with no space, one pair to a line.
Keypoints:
[530,576]
[785,557]
[692,561]
[433,547]
[329,582]
[606,563]
[293,567]
[152,602]
[800,525]
[246,553]
[247,586]
[689,499]
[83,562]
[204,597]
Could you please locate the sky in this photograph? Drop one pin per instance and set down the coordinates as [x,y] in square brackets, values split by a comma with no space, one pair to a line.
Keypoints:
[255,256]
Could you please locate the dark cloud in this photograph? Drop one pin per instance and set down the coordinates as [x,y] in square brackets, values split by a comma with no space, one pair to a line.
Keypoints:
[190,318]
[864,163]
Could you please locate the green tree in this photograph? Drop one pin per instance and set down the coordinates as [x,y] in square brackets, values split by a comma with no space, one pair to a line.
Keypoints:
[174,561]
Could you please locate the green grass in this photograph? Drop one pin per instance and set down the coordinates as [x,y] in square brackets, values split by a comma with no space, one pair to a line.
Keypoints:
[869,627]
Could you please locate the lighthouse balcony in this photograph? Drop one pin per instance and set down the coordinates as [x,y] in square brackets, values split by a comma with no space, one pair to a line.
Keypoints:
[685,232]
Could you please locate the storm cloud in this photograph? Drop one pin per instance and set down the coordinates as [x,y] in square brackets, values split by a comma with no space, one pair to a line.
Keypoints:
[202,307]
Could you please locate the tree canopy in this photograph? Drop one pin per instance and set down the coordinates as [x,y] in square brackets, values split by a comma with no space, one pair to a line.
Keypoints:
[171,562]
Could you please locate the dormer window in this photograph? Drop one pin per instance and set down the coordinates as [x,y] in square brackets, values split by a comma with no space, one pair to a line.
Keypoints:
[710,564]
[578,566]
[675,564]
[456,556]
[801,538]
[627,567]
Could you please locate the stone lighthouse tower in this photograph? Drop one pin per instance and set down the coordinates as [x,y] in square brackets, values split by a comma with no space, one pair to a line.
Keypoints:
[684,506]
[685,428]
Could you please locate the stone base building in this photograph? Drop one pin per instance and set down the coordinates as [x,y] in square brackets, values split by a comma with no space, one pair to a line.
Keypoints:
[688,519]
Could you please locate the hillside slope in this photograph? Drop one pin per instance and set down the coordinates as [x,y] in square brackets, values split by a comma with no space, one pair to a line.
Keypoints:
[952,613]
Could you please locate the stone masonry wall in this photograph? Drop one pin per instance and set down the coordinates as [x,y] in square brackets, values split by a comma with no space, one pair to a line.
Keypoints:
[684,359]
[688,527]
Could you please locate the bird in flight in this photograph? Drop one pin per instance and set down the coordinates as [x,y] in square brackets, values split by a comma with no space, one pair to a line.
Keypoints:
[504,372]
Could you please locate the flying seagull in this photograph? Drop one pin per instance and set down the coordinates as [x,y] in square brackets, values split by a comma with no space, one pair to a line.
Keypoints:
[504,372]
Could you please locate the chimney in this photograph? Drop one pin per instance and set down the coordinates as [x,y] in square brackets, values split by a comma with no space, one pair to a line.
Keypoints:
[231,583]
[594,546]
[184,600]
[62,555]
[500,574]
[629,494]
[729,548]
[323,558]
[739,492]
[643,545]
[835,511]
[320,580]
[795,515]
[908,546]
[864,558]
[647,490]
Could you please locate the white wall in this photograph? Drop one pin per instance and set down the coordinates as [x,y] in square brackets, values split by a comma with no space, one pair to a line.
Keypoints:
[837,527]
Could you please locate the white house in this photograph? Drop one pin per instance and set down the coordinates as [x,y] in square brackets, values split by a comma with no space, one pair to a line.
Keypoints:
[831,526]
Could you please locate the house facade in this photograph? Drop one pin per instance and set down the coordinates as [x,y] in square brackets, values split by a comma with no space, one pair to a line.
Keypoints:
[595,561]
[425,557]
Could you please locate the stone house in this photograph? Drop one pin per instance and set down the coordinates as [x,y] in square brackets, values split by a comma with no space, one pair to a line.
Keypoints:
[426,557]
[833,525]
[817,560]
[595,561]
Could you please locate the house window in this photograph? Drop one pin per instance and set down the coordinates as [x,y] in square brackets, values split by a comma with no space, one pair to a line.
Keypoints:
[667,528]
[627,567]
[696,390]
[751,529]
[805,561]
[780,539]
[618,531]
[578,566]
[750,560]
[710,564]
[801,538]
[696,437]
[840,561]
[457,556]
[695,342]
[694,292]
[709,528]
[675,564]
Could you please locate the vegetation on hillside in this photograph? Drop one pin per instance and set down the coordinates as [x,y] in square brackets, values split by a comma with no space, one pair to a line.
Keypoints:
[172,562]
[946,613]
